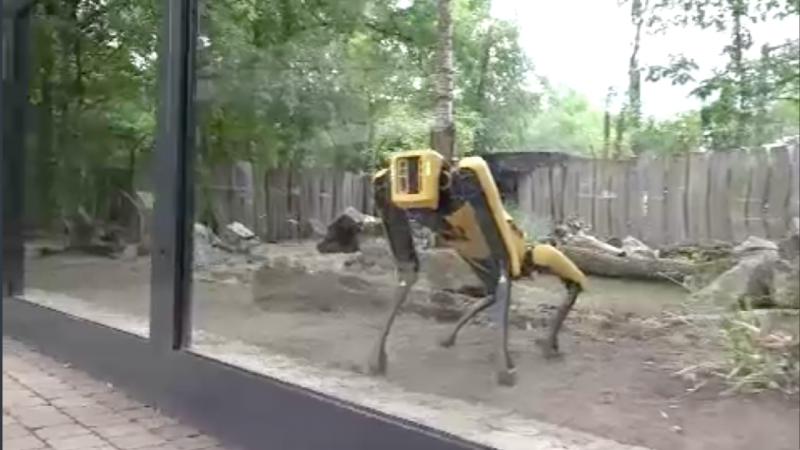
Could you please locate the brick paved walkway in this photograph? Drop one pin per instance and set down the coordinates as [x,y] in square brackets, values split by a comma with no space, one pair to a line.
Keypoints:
[49,406]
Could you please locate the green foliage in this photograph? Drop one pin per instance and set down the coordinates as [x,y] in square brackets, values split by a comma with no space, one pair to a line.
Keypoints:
[343,83]
[745,101]
[567,123]
[679,134]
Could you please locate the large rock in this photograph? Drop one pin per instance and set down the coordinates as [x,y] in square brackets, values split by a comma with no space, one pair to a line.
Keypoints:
[344,232]
[238,238]
[754,245]
[206,247]
[786,285]
[751,281]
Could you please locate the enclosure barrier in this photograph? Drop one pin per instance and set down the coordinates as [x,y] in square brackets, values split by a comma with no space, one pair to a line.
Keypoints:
[687,198]
[695,197]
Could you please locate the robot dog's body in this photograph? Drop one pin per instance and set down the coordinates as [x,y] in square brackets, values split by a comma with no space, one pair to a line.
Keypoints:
[461,204]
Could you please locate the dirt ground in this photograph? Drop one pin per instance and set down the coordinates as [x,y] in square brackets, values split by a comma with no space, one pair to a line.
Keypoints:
[617,378]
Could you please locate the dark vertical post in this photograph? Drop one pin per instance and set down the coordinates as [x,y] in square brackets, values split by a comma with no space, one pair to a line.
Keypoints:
[4,290]
[16,33]
[173,218]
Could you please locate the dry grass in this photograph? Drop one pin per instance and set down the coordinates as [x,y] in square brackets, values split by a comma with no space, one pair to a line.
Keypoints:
[758,357]
[758,352]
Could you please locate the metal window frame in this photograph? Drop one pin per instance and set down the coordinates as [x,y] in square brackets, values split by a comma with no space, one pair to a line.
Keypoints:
[12,154]
[241,408]
[171,276]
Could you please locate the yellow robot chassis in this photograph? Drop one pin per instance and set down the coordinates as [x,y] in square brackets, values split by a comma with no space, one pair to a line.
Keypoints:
[461,204]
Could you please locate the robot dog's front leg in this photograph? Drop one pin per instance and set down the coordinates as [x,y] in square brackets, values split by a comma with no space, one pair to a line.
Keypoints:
[504,367]
[398,232]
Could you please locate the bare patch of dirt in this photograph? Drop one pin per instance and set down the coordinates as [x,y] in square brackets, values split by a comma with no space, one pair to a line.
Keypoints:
[616,379]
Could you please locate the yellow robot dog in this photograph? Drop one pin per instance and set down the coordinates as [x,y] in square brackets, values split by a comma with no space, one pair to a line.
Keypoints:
[461,204]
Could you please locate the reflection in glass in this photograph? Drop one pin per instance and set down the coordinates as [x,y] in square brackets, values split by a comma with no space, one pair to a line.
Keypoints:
[8,42]
[88,187]
[300,103]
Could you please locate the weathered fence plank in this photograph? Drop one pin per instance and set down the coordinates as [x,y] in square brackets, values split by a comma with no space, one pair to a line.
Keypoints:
[277,195]
[308,207]
[719,198]
[739,189]
[291,222]
[525,195]
[757,194]
[697,194]
[542,199]
[260,202]
[366,186]
[600,215]
[780,179]
[585,189]
[655,225]
[636,187]
[557,192]
[326,194]
[245,182]
[569,197]
[675,206]
[794,198]
[618,204]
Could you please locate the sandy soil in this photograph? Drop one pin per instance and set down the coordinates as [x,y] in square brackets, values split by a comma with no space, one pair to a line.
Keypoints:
[616,380]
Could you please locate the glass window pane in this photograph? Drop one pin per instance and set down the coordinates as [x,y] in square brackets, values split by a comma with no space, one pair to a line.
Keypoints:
[300,103]
[90,140]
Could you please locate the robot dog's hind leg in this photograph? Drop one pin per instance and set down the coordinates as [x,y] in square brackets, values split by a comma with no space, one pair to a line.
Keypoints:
[450,339]
[547,257]
[549,345]
[489,279]
[399,235]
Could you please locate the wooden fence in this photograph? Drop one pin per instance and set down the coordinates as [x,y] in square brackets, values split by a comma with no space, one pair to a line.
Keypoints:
[696,197]
[684,198]
[296,198]
[276,204]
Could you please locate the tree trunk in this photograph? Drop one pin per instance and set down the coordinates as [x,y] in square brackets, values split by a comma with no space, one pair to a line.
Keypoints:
[619,131]
[606,265]
[738,11]
[633,110]
[479,140]
[607,124]
[443,133]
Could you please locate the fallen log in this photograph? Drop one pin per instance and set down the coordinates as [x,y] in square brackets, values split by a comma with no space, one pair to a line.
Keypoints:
[638,268]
